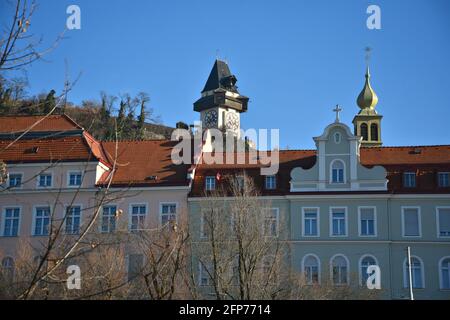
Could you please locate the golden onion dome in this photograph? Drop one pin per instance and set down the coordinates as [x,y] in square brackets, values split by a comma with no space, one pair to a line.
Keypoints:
[367,99]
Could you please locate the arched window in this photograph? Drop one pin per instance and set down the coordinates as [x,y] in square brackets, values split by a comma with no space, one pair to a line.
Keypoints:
[337,171]
[364,263]
[444,273]
[311,269]
[364,132]
[374,132]
[417,273]
[8,268]
[339,270]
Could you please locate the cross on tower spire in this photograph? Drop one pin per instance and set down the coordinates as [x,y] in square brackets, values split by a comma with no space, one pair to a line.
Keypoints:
[337,109]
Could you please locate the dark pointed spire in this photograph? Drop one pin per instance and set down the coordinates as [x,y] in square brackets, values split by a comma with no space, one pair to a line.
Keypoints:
[220,77]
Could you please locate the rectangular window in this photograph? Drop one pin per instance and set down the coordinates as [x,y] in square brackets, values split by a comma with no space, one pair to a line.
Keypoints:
[443,179]
[15,180]
[42,221]
[409,179]
[73,219]
[271,222]
[203,277]
[338,222]
[338,175]
[135,265]
[240,183]
[45,180]
[210,183]
[206,215]
[168,213]
[109,218]
[411,222]
[138,213]
[11,219]
[367,222]
[443,222]
[310,222]
[75,179]
[271,182]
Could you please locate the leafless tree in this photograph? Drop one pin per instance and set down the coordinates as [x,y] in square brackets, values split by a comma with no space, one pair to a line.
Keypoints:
[18,46]
[240,252]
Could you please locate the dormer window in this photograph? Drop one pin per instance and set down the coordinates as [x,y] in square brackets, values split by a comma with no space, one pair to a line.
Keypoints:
[444,179]
[210,183]
[271,182]
[337,171]
[409,179]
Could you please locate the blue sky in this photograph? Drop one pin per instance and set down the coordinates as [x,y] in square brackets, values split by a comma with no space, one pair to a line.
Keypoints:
[294,59]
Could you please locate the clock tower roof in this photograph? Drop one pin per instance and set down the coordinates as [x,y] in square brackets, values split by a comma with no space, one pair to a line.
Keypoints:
[220,77]
[220,91]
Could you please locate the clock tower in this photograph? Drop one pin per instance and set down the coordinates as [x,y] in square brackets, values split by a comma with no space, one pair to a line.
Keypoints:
[221,103]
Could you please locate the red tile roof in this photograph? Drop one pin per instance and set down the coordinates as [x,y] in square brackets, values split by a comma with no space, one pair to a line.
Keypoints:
[46,150]
[426,160]
[137,161]
[405,155]
[12,124]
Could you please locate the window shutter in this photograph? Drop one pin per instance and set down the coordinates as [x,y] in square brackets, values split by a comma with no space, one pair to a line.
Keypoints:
[367,214]
[411,217]
[444,220]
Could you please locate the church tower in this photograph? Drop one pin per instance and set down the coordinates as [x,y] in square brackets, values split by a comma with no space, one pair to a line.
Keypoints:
[221,103]
[367,123]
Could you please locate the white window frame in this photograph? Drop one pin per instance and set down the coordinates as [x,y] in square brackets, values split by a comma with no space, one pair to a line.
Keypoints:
[331,222]
[2,224]
[33,223]
[404,179]
[367,255]
[127,261]
[277,210]
[268,178]
[206,183]
[202,224]
[348,269]
[200,273]
[65,217]
[441,281]
[161,204]
[444,172]
[21,180]
[419,217]
[319,268]
[69,173]
[38,178]
[344,174]
[438,233]
[375,222]
[317,209]
[101,220]
[130,214]
[406,273]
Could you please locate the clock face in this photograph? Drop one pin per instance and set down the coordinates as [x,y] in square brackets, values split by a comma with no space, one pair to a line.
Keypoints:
[232,121]
[210,119]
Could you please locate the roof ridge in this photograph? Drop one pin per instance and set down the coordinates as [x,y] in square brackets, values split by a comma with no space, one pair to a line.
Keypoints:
[410,146]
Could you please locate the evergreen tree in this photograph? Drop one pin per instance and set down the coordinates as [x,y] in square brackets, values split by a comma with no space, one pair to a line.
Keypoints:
[50,102]
[143,99]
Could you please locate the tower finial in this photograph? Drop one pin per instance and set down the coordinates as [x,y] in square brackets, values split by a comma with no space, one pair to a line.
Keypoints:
[367,99]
